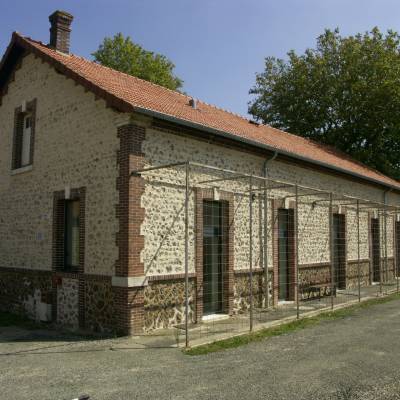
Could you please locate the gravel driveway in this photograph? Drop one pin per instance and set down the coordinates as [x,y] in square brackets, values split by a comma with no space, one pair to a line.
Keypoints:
[354,358]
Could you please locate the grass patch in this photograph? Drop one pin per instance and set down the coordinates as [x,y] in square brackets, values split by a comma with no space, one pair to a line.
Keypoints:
[286,328]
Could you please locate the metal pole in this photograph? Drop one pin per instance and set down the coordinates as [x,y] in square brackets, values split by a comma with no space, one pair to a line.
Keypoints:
[358,251]
[386,250]
[260,227]
[296,227]
[186,255]
[380,259]
[266,273]
[251,249]
[395,252]
[331,245]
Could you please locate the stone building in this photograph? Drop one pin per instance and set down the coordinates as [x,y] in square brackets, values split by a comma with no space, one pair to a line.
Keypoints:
[88,243]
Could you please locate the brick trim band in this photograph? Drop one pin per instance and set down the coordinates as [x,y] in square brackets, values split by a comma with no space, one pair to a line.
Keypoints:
[129,302]
[171,277]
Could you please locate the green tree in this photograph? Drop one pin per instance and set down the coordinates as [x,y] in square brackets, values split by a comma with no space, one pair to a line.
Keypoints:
[344,93]
[124,55]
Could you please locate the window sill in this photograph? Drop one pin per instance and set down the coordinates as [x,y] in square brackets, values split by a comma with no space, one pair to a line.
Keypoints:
[21,170]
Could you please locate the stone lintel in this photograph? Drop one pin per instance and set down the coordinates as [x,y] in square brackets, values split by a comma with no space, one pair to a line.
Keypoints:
[131,281]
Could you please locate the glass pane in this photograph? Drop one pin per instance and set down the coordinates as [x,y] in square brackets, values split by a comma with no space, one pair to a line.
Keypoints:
[71,245]
[212,257]
[376,251]
[26,141]
[283,251]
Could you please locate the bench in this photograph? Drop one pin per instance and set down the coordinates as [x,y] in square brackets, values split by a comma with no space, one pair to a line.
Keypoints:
[316,291]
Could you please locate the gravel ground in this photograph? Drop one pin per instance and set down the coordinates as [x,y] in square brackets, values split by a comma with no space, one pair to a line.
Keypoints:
[354,358]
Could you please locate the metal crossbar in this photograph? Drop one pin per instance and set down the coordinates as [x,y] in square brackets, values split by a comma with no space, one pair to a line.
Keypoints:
[263,190]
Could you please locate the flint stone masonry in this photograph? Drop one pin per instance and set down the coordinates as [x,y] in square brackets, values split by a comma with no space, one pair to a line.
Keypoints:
[164,304]
[99,306]
[241,296]
[352,247]
[24,292]
[163,226]
[75,145]
[67,303]
[352,274]
[135,227]
[163,201]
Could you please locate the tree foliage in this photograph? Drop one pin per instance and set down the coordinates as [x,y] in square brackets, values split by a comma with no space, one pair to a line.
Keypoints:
[124,55]
[344,93]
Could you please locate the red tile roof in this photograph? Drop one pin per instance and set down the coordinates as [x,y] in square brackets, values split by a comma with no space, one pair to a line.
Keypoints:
[132,93]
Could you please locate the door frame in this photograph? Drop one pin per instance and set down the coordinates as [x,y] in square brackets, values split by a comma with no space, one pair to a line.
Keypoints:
[341,275]
[372,220]
[290,236]
[221,245]
[396,247]
[228,274]
[292,275]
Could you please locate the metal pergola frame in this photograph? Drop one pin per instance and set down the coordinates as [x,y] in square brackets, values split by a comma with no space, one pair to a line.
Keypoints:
[266,185]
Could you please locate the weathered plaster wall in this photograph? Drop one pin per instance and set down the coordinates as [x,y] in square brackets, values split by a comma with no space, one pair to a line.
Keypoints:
[75,145]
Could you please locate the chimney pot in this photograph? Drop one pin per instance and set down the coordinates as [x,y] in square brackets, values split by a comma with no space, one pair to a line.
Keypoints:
[60,30]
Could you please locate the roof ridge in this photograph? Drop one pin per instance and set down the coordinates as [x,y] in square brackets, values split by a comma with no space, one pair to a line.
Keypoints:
[127,96]
[227,111]
[148,82]
[331,149]
[105,66]
[133,77]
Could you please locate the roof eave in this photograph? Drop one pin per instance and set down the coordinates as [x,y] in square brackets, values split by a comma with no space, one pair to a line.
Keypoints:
[125,106]
[254,143]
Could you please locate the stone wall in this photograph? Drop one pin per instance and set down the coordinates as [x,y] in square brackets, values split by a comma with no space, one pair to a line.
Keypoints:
[352,274]
[388,271]
[75,145]
[163,201]
[351,237]
[314,275]
[67,303]
[26,293]
[30,293]
[164,304]
[313,234]
[99,305]
[387,236]
[241,291]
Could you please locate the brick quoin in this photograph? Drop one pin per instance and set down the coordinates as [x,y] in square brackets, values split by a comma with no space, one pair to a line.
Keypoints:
[129,301]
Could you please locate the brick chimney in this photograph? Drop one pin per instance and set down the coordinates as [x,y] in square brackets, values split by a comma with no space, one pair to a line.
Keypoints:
[60,30]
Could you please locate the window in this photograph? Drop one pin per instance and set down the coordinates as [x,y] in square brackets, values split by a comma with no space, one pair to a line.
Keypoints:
[69,230]
[24,130]
[71,234]
[26,140]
